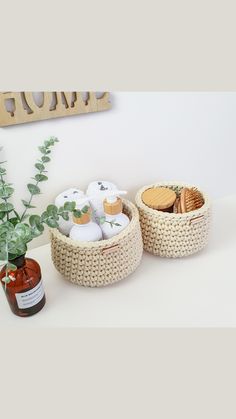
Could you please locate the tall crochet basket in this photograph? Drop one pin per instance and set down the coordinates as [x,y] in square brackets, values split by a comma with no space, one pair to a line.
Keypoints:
[173,235]
[96,264]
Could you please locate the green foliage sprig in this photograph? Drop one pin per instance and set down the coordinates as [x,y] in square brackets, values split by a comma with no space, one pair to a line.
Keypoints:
[112,223]
[33,188]
[15,232]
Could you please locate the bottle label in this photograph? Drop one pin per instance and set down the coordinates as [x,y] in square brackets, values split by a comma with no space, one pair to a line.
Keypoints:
[30,298]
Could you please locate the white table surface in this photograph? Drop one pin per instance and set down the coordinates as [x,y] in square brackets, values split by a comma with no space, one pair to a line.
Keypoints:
[199,290]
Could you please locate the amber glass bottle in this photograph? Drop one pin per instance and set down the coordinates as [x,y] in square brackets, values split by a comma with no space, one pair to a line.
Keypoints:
[24,292]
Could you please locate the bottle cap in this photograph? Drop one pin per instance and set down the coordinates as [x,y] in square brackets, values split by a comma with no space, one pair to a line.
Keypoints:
[112,204]
[159,198]
[84,219]
[113,208]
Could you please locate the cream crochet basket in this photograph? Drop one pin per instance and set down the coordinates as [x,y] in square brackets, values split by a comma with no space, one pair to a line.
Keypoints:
[95,264]
[173,235]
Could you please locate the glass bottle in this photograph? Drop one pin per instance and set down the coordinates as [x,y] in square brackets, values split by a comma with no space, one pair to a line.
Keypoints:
[24,292]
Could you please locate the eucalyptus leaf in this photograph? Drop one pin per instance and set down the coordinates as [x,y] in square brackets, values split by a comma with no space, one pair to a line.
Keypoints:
[21,229]
[40,178]
[26,204]
[34,220]
[6,207]
[69,206]
[35,232]
[3,250]
[24,232]
[77,213]
[3,256]
[40,167]
[43,149]
[36,224]
[45,159]
[6,227]
[53,140]
[19,248]
[3,243]
[47,143]
[33,189]
[52,210]
[6,192]
[65,216]
[2,215]
[51,222]
[44,216]
[85,209]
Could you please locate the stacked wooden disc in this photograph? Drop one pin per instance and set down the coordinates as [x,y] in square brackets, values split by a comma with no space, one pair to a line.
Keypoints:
[159,198]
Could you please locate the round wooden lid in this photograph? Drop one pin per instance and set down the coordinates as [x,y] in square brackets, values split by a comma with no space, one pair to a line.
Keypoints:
[159,198]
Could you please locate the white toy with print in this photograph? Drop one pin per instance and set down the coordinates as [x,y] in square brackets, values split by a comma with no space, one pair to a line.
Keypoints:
[100,189]
[70,195]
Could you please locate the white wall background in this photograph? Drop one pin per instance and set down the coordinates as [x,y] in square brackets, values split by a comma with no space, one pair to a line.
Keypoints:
[145,137]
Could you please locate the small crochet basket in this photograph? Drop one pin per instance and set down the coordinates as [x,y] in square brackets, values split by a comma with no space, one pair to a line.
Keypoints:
[173,235]
[96,264]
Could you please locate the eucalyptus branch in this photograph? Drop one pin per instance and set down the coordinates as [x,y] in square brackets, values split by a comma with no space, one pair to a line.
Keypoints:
[3,189]
[8,267]
[5,193]
[33,188]
[6,277]
[103,220]
[15,234]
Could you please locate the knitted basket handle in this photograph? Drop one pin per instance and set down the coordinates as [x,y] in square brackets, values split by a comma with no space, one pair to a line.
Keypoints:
[197,219]
[111,249]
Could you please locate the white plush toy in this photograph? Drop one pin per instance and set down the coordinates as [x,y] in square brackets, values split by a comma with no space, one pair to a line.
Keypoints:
[99,188]
[72,194]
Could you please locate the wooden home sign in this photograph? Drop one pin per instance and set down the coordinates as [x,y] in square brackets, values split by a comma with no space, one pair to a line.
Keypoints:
[21,107]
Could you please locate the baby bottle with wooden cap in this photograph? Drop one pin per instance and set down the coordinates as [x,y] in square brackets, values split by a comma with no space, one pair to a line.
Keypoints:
[84,229]
[114,220]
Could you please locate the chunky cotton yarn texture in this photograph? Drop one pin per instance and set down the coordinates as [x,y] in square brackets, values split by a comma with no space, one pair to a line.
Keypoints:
[173,235]
[96,264]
